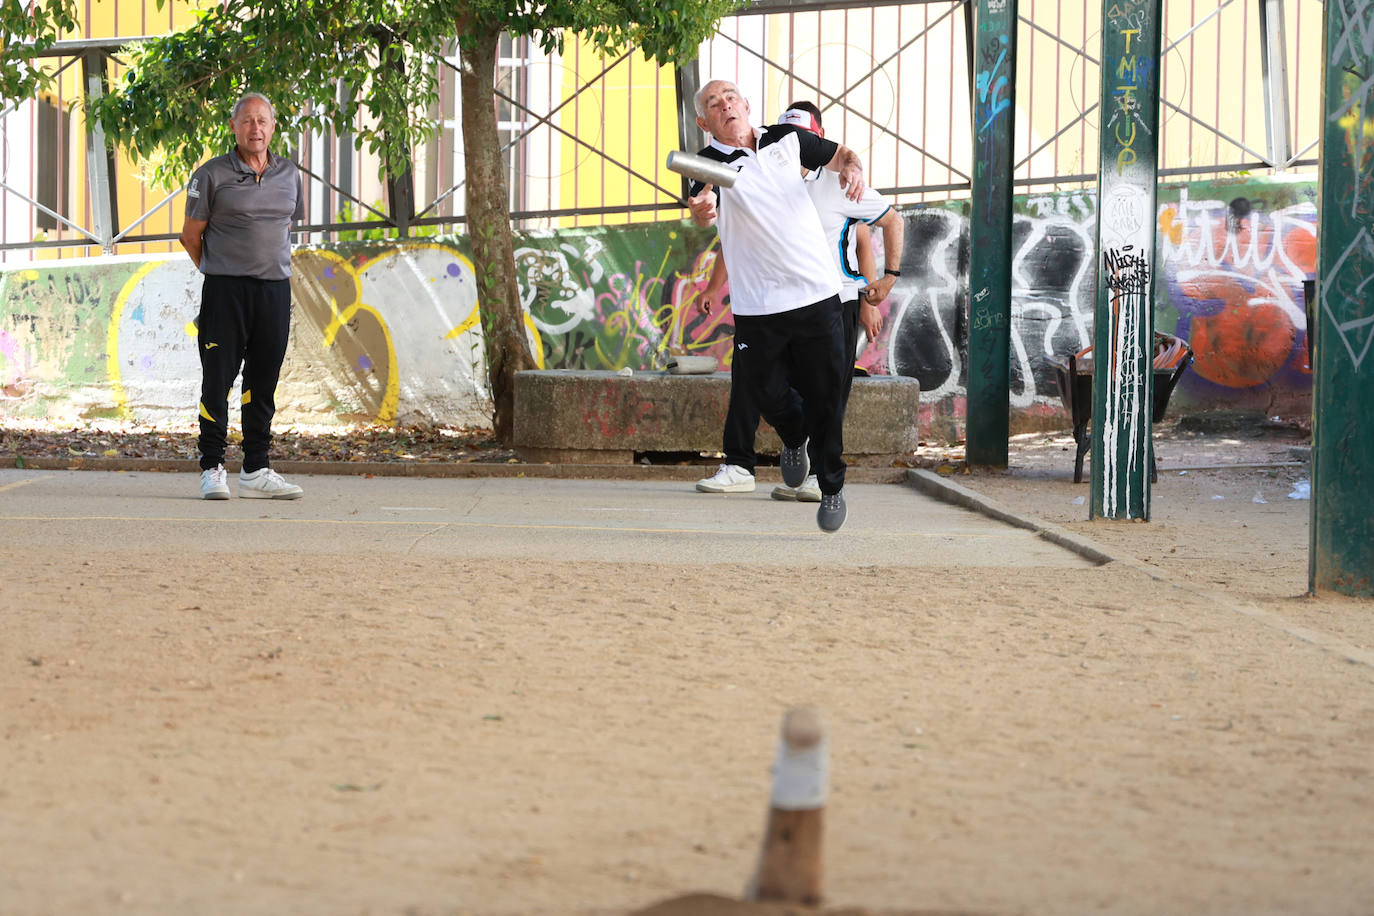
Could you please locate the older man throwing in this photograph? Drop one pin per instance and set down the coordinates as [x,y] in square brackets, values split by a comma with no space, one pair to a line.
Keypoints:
[789,329]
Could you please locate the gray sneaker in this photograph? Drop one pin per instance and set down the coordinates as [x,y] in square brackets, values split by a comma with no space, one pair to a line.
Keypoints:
[794,465]
[830,516]
[808,492]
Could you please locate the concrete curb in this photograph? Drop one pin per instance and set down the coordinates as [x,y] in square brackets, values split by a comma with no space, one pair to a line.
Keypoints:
[684,472]
[945,490]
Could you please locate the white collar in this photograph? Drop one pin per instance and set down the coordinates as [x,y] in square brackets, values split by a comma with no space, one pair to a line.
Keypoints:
[727,148]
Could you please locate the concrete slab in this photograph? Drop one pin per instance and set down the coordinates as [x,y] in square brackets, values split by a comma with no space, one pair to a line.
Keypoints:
[600,416]
[589,520]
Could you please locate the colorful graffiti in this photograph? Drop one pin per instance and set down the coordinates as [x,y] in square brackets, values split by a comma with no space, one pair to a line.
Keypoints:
[1229,279]
[1235,274]
[388,332]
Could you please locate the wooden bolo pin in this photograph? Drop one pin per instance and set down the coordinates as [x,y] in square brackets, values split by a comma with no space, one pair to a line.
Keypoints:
[790,862]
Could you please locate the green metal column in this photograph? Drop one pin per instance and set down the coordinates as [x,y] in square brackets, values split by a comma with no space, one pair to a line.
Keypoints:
[1342,530]
[989,327]
[1123,333]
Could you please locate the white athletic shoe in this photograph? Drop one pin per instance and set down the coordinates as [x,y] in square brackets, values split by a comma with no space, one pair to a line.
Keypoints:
[808,492]
[729,478]
[265,483]
[214,483]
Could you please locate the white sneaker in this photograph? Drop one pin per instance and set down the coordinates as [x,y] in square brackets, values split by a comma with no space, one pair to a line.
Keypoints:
[214,483]
[265,483]
[729,478]
[808,492]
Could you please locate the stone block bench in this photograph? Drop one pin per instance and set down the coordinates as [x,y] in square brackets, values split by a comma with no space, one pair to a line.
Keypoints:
[603,417]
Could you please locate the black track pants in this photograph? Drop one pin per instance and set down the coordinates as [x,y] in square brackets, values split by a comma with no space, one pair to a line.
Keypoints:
[800,352]
[742,414]
[244,324]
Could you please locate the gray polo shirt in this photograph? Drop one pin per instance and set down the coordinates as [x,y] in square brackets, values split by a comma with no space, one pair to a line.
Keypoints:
[249,217]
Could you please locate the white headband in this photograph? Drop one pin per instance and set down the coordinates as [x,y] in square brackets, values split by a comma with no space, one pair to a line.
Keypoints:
[800,118]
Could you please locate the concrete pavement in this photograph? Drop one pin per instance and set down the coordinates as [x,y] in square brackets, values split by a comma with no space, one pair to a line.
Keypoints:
[614,521]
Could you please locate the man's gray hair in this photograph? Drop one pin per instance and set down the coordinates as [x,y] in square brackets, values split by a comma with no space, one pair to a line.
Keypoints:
[248,97]
[697,100]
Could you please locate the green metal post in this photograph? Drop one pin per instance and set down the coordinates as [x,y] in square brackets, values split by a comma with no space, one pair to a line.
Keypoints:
[989,328]
[1342,327]
[1123,333]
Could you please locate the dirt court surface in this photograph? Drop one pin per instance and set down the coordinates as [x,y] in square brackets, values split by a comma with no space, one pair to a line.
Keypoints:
[1179,732]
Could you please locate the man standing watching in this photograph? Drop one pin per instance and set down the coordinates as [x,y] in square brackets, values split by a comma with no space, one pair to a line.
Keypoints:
[239,211]
[789,330]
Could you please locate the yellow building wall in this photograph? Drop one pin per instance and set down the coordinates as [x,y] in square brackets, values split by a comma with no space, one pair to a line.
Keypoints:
[134,197]
[629,115]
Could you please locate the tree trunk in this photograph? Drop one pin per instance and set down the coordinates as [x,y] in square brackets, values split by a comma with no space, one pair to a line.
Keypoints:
[488,210]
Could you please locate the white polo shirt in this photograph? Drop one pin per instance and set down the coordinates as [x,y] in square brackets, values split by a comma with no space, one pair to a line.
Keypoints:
[770,233]
[838,215]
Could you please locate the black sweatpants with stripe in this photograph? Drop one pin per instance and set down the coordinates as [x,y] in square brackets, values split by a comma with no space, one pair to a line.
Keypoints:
[244,323]
[793,365]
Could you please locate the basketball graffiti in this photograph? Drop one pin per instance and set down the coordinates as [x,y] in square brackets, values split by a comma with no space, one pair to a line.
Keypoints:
[1237,285]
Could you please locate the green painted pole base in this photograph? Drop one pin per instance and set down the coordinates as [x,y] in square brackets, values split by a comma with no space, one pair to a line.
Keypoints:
[989,334]
[1342,332]
[1123,332]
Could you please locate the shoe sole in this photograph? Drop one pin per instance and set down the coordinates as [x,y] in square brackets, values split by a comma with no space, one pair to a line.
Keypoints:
[727,488]
[215,494]
[258,494]
[785,494]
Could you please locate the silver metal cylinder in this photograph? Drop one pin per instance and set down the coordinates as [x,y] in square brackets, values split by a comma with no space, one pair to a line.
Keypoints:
[702,169]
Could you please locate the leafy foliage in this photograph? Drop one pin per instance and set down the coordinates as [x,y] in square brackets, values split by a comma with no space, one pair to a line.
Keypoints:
[26,31]
[172,105]
[175,97]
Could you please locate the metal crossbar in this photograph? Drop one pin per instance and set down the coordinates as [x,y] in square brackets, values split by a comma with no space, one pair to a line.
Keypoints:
[837,100]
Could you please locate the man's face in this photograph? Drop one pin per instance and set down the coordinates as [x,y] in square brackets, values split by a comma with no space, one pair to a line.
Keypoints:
[254,126]
[727,112]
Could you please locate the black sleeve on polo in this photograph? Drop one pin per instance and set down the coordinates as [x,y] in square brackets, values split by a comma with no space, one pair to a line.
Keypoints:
[816,151]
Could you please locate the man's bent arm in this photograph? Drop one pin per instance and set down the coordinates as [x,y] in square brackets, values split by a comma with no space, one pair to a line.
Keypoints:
[851,169]
[894,238]
[193,237]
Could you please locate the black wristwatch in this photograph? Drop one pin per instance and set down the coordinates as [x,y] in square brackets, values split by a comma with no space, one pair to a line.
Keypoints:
[892,273]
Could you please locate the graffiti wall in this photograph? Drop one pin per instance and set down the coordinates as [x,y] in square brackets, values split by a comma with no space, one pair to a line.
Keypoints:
[1231,260]
[389,332]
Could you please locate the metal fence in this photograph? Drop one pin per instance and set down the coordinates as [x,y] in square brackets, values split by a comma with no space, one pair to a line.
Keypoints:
[586,136]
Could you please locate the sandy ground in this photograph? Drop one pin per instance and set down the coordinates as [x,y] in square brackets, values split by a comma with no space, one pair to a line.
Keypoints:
[1183,731]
